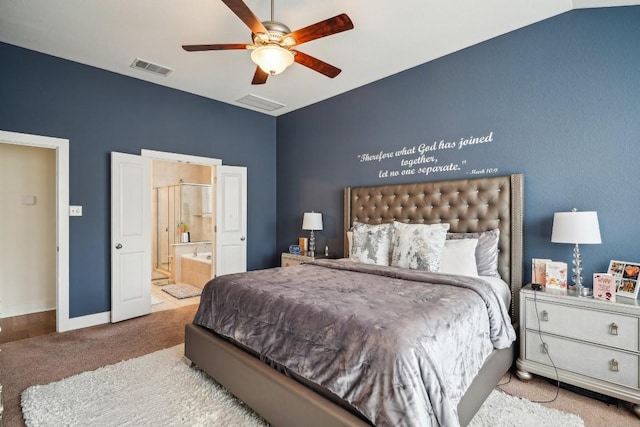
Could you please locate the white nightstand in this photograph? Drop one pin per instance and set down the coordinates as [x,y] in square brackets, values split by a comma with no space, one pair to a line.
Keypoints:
[593,343]
[287,259]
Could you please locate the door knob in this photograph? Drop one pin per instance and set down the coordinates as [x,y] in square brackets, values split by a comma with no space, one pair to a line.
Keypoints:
[243,238]
[118,246]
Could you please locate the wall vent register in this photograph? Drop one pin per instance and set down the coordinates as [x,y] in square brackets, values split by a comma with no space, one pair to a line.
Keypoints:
[160,70]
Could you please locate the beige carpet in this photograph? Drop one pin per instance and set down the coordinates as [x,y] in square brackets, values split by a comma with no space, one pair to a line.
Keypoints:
[48,358]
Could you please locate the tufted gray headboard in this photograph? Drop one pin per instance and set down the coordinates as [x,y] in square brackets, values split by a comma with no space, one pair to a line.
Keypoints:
[469,205]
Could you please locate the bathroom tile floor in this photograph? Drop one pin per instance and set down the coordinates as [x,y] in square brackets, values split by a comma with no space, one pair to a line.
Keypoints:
[169,302]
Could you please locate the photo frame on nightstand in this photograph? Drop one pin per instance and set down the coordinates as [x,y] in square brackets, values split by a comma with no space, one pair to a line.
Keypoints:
[294,249]
[626,274]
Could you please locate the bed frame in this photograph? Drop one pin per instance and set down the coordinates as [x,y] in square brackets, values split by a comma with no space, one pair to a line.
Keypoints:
[470,205]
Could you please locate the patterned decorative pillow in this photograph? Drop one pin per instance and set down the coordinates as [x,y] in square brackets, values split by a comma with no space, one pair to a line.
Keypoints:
[371,244]
[418,246]
[459,257]
[486,251]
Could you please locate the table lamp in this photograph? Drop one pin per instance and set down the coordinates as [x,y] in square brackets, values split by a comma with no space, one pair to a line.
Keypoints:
[312,221]
[576,228]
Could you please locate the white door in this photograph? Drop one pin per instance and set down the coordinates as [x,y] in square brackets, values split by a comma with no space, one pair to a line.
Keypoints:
[130,236]
[231,220]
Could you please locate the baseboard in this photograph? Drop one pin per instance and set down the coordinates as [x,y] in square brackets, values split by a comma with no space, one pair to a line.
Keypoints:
[87,321]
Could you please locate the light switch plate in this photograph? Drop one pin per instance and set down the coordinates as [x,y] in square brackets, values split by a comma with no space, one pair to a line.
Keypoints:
[28,200]
[75,210]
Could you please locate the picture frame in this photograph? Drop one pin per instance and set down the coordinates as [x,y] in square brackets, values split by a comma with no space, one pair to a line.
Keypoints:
[604,286]
[303,242]
[626,274]
[539,270]
[294,249]
[556,275]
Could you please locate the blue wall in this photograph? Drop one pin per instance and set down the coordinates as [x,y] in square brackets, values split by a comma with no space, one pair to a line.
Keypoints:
[100,112]
[562,98]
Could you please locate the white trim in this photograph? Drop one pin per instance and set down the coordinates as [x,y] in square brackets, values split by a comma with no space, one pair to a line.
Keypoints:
[62,216]
[89,320]
[184,158]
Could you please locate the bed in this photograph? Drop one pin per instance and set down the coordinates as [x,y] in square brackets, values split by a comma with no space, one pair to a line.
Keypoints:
[468,206]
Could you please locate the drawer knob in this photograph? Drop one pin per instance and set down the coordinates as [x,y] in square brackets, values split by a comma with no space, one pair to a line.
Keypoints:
[545,348]
[544,316]
[613,329]
[613,365]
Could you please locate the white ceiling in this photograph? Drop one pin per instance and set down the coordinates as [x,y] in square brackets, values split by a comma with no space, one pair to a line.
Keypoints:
[388,37]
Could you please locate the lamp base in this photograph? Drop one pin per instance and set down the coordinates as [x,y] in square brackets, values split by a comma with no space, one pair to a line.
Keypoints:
[312,245]
[583,291]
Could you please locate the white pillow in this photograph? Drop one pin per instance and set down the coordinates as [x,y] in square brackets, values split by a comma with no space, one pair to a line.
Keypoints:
[371,243]
[418,246]
[486,251]
[350,240]
[459,257]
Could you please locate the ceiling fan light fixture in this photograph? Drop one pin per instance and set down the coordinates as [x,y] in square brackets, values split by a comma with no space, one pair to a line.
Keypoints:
[272,59]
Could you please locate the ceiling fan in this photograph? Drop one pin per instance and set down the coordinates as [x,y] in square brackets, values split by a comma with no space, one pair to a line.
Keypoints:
[273,41]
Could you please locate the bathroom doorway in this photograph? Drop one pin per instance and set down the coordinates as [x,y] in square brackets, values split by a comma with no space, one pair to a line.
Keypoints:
[229,225]
[182,243]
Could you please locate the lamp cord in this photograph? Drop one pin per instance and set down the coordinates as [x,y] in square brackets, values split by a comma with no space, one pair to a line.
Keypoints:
[546,347]
[557,379]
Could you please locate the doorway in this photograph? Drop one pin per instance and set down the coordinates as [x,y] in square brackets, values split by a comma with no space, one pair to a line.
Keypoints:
[182,237]
[53,283]
[131,259]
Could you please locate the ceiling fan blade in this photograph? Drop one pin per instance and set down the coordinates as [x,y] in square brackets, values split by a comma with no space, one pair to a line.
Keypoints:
[201,47]
[330,26]
[260,77]
[243,12]
[316,64]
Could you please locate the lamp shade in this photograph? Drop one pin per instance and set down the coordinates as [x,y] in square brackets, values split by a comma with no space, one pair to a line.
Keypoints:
[272,59]
[312,221]
[575,227]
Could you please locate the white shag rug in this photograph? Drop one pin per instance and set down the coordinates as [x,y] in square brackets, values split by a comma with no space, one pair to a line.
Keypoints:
[503,410]
[161,389]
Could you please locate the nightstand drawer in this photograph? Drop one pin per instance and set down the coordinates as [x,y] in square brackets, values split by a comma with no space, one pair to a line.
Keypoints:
[600,327]
[589,360]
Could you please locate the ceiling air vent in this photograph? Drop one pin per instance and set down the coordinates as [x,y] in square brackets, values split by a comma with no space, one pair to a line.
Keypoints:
[259,102]
[141,64]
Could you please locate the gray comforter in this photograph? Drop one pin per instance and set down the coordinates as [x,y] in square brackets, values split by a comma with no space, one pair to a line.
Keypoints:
[400,346]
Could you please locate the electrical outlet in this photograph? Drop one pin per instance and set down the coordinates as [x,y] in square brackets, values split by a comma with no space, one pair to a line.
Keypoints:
[75,210]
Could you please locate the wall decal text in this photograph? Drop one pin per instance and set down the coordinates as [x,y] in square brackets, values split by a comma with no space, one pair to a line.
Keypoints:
[422,159]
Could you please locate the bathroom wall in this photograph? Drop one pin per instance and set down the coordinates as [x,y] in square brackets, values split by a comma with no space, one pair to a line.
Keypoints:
[27,230]
[170,173]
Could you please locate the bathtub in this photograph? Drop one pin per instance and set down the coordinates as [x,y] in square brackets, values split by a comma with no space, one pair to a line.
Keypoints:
[201,257]
[196,269]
